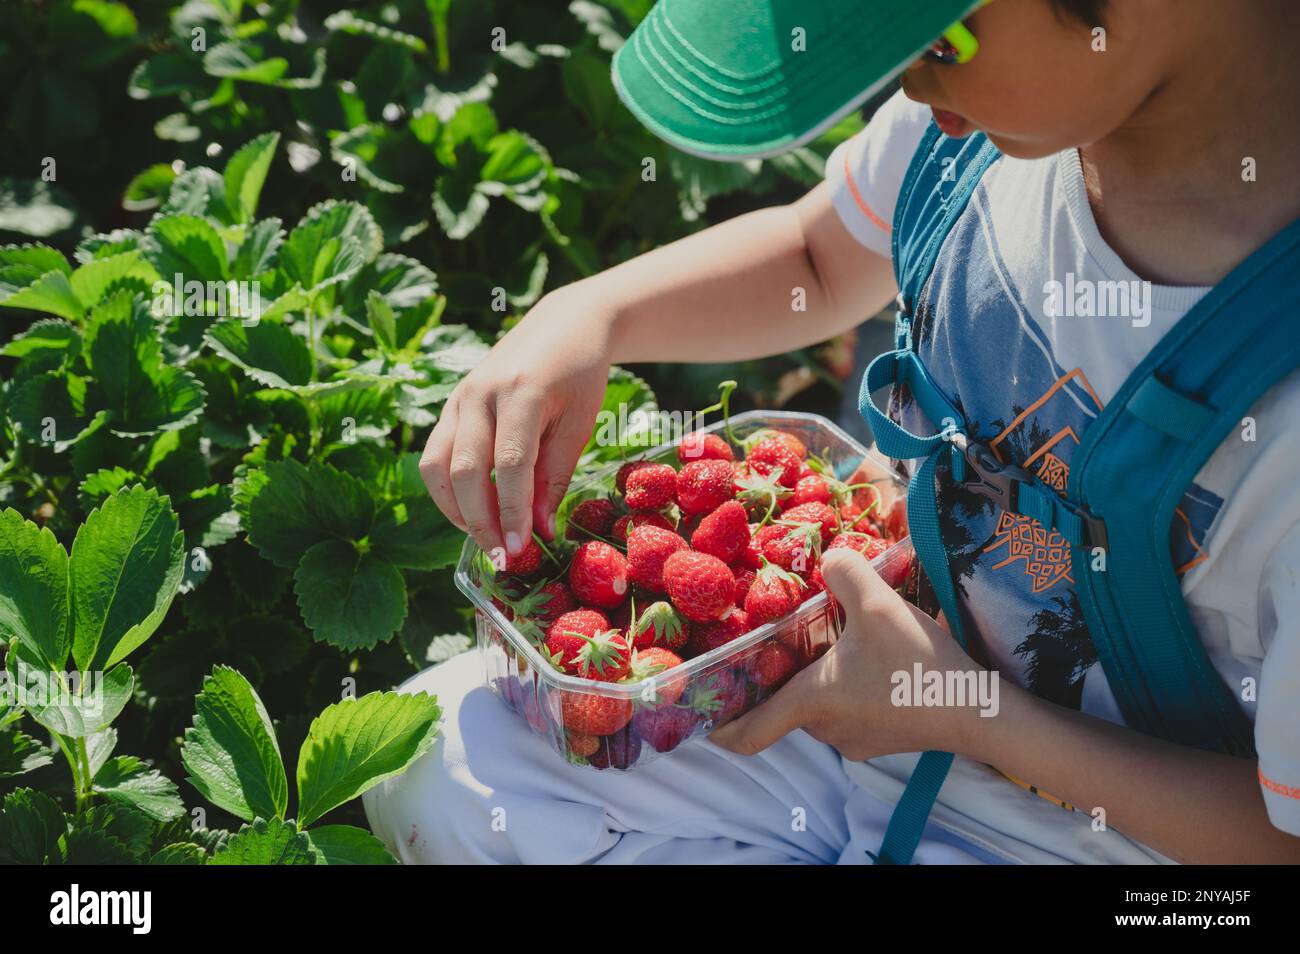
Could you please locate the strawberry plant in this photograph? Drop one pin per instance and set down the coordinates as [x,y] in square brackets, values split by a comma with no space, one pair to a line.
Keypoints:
[70,621]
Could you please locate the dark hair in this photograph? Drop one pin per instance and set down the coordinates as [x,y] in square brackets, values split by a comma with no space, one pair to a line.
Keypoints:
[1087,12]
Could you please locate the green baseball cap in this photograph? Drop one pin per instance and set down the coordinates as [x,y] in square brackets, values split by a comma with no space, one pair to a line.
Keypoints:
[746,79]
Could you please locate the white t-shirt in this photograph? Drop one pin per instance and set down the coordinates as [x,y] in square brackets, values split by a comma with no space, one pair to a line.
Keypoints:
[1029,378]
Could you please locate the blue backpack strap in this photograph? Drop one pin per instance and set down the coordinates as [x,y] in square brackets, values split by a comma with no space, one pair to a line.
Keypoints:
[1131,470]
[936,189]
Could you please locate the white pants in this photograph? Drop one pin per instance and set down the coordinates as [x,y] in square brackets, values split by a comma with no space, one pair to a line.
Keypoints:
[491,791]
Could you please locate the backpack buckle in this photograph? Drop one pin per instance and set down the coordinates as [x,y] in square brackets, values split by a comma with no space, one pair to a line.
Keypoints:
[1094,530]
[989,477]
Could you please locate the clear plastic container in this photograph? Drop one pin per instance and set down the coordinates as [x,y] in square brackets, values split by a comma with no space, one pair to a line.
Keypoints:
[702,693]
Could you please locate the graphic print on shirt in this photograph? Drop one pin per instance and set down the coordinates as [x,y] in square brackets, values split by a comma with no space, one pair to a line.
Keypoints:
[984,347]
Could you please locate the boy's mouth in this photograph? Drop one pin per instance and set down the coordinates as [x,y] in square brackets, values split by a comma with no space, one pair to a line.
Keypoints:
[952,124]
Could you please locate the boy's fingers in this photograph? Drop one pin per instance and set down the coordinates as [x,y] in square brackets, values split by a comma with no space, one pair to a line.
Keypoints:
[766,723]
[435,465]
[470,467]
[556,458]
[854,582]
[514,456]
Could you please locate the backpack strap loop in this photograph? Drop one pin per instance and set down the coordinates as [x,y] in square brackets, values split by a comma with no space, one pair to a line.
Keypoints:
[1160,406]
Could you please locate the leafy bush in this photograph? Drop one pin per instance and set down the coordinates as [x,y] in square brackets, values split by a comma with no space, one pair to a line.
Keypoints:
[221,358]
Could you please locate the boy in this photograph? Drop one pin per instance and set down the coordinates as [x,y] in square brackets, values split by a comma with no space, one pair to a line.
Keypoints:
[1146,145]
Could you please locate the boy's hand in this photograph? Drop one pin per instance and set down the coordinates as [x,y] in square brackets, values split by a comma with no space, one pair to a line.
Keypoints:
[843,699]
[527,410]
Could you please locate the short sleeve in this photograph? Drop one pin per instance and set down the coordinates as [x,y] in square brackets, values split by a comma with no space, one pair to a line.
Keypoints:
[866,172]
[1277,714]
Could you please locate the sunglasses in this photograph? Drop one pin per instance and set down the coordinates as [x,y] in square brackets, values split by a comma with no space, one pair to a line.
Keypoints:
[955,45]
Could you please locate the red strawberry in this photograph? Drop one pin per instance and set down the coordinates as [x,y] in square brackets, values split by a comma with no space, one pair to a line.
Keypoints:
[588,714]
[896,522]
[744,580]
[868,497]
[722,696]
[527,562]
[774,593]
[647,550]
[591,518]
[553,599]
[701,586]
[759,493]
[819,512]
[617,751]
[583,745]
[535,611]
[665,727]
[649,664]
[598,574]
[752,557]
[703,485]
[773,452]
[709,636]
[792,547]
[620,479]
[810,489]
[651,487]
[853,517]
[771,665]
[796,446]
[699,446]
[638,518]
[582,643]
[660,625]
[724,532]
[895,572]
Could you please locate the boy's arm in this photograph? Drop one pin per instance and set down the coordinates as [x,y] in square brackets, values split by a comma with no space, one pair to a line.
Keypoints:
[763,283]
[1189,804]
[726,293]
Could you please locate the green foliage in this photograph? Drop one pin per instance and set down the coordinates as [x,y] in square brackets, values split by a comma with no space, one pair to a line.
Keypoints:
[268,243]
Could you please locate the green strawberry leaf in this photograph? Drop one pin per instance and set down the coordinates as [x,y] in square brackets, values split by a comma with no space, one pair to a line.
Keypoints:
[333,241]
[356,744]
[196,191]
[187,246]
[47,337]
[246,173]
[148,188]
[126,780]
[124,352]
[231,751]
[269,352]
[86,846]
[179,853]
[383,323]
[20,753]
[265,842]
[413,534]
[74,716]
[349,599]
[257,251]
[287,507]
[50,408]
[99,278]
[128,827]
[51,292]
[127,563]
[347,845]
[31,824]
[34,597]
